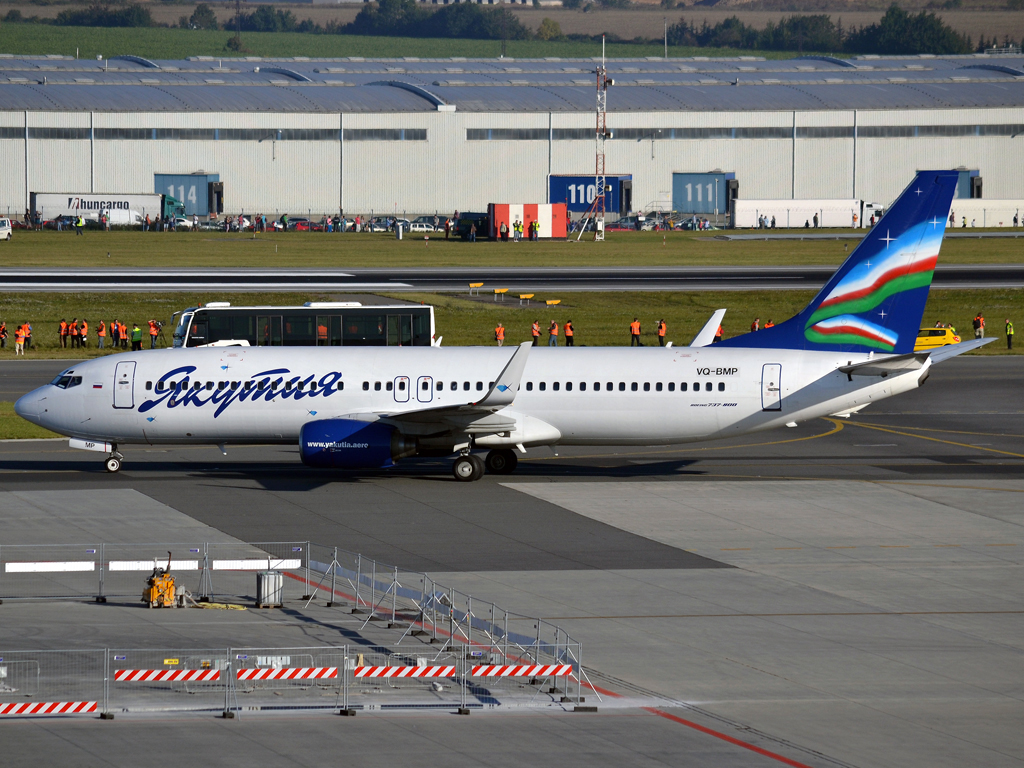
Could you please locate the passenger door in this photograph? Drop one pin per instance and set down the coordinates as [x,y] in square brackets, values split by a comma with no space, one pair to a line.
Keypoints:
[425,389]
[124,385]
[401,389]
[771,387]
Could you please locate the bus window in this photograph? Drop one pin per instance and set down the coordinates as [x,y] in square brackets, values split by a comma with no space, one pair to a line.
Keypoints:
[299,331]
[421,329]
[335,331]
[323,325]
[365,329]
[399,330]
[197,334]
[268,331]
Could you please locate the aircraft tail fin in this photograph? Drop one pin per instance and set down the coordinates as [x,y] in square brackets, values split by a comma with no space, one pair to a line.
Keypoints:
[876,299]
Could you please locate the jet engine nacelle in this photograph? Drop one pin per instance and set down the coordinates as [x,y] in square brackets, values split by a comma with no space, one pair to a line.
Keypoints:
[350,444]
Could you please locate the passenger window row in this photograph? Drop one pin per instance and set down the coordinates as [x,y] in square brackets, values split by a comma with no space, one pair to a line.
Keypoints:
[246,386]
[633,386]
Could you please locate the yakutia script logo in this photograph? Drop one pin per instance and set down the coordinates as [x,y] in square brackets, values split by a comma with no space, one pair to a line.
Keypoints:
[267,385]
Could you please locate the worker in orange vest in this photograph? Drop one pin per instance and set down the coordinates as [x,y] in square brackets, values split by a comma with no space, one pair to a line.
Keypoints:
[769,324]
[154,329]
[718,335]
[321,335]
[499,335]
[63,333]
[101,334]
[553,334]
[662,327]
[3,335]
[756,325]
[83,333]
[124,336]
[19,340]
[570,333]
[634,333]
[535,330]
[73,332]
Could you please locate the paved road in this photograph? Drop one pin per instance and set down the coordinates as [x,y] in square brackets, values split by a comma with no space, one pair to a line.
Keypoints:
[516,279]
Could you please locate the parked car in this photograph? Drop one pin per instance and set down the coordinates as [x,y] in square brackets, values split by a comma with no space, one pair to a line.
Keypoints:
[305,225]
[428,222]
[64,222]
[5,229]
[931,338]
[182,222]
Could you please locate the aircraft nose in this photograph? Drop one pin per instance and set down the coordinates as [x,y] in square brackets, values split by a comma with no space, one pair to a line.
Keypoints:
[29,406]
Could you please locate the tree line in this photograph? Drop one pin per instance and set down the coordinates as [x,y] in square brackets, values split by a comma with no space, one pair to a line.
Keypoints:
[897,32]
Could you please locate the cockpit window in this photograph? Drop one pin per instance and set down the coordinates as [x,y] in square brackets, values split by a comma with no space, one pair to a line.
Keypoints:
[63,379]
[75,381]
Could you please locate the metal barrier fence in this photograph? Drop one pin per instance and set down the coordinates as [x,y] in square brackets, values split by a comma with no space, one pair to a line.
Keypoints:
[486,653]
[233,681]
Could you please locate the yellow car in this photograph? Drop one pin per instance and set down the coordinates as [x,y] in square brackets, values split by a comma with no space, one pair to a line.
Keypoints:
[930,338]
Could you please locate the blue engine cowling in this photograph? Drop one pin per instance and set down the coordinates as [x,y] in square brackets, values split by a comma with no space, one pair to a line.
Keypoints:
[350,444]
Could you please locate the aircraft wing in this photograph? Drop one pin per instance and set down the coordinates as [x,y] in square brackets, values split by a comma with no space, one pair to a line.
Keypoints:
[480,417]
[707,333]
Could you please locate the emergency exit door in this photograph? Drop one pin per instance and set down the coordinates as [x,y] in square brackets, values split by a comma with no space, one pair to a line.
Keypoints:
[425,389]
[124,385]
[401,388]
[771,387]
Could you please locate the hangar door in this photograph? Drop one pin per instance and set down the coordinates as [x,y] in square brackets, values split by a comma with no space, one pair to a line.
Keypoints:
[701,192]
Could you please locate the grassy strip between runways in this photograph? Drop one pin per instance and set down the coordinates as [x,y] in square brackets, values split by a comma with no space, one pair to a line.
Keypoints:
[600,319]
[379,250]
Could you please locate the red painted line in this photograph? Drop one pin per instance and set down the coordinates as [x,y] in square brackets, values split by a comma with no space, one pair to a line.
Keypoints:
[703,729]
[725,737]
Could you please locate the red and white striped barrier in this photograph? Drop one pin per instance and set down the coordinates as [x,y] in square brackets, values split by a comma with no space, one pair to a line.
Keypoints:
[165,675]
[49,708]
[522,670]
[435,671]
[288,673]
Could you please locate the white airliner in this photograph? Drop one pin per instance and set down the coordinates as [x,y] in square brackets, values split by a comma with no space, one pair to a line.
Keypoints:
[367,407]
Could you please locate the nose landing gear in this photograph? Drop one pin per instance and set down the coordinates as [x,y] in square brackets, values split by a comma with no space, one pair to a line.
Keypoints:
[113,462]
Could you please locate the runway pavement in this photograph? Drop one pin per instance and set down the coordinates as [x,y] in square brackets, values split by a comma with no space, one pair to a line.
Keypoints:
[846,592]
[516,279]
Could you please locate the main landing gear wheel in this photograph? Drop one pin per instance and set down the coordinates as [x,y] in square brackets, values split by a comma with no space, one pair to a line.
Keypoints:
[502,462]
[468,468]
[113,464]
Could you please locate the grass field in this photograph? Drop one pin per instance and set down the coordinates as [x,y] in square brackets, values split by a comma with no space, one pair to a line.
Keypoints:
[600,318]
[160,43]
[312,249]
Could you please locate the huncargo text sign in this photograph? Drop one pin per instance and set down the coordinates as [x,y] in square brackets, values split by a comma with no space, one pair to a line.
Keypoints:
[120,209]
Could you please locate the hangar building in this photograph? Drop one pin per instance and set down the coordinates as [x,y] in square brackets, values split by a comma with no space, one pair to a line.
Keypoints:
[422,136]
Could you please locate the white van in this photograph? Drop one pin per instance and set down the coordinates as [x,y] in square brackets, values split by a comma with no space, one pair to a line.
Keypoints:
[5,229]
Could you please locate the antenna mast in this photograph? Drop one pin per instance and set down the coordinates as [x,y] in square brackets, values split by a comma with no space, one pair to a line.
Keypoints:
[602,135]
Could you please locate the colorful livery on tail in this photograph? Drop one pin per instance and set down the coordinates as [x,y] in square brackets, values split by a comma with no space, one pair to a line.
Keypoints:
[876,300]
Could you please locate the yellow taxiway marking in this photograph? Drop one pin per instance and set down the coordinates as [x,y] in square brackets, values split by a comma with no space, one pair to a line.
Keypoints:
[935,439]
[1000,545]
[944,431]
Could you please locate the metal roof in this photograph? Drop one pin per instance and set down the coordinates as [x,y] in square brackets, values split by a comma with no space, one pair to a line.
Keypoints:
[254,84]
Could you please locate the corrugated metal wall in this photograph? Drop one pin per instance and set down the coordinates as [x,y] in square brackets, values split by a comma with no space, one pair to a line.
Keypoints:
[447,172]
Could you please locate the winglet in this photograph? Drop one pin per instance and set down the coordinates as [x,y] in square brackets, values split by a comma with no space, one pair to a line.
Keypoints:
[707,334]
[504,390]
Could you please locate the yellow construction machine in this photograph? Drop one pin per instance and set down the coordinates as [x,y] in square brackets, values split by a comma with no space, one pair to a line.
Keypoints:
[160,591]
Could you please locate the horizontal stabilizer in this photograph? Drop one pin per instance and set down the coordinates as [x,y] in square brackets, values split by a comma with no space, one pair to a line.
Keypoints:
[707,333]
[884,366]
[952,350]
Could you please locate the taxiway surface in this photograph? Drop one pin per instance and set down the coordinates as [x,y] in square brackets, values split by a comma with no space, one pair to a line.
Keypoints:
[847,592]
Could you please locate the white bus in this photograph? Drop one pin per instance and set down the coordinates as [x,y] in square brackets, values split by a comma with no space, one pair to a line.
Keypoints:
[315,324]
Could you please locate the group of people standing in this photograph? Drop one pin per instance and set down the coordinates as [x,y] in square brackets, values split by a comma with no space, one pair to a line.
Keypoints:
[517,231]
[22,337]
[118,333]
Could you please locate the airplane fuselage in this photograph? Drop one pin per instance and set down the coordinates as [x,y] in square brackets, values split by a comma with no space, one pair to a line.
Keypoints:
[579,396]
